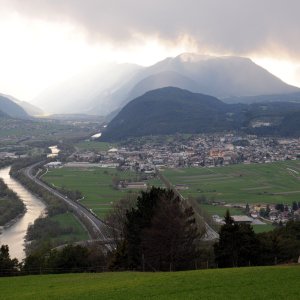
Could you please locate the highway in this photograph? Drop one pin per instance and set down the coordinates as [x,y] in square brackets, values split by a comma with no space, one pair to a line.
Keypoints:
[97,228]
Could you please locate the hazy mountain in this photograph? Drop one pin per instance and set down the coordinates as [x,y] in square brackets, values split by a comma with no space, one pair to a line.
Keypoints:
[172,110]
[221,77]
[162,79]
[30,109]
[12,109]
[106,89]
[79,94]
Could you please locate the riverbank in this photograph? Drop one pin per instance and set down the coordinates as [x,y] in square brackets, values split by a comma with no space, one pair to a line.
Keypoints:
[11,206]
[14,235]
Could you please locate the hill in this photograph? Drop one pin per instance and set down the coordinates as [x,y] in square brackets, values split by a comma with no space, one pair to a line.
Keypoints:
[169,110]
[12,109]
[3,115]
[241,283]
[172,110]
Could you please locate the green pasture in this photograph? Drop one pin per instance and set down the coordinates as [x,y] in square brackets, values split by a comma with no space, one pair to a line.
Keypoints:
[256,183]
[94,146]
[95,184]
[280,282]
[68,220]
[221,210]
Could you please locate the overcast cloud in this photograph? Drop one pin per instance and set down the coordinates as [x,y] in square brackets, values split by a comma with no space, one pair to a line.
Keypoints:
[270,27]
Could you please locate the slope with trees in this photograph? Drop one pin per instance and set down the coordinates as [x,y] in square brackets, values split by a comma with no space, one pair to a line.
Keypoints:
[172,110]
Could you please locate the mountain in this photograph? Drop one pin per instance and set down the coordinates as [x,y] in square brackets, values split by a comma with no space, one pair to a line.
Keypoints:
[169,110]
[108,88]
[172,110]
[12,109]
[80,93]
[30,109]
[222,77]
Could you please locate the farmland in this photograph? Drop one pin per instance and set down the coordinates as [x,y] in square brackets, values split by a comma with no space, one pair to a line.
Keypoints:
[95,184]
[256,183]
[68,220]
[93,146]
[241,283]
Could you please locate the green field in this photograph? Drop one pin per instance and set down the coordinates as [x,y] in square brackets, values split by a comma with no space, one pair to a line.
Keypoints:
[95,184]
[94,146]
[256,183]
[221,210]
[280,282]
[68,220]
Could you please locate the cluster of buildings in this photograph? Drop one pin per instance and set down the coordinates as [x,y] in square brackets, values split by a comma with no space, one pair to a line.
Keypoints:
[209,150]
[260,214]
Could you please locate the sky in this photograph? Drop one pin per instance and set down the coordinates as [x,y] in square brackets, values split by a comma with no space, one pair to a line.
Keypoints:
[44,42]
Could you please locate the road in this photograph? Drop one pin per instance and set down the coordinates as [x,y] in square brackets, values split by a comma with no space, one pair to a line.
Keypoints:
[97,228]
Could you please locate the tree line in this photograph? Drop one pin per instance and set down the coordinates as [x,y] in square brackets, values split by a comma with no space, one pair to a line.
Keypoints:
[11,205]
[156,232]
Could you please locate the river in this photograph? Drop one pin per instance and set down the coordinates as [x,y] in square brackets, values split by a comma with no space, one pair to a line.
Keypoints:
[14,236]
[54,151]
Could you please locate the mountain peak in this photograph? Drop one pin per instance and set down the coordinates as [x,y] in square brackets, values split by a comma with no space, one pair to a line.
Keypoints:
[193,57]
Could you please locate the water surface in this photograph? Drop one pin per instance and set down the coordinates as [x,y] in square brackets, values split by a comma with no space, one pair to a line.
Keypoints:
[14,236]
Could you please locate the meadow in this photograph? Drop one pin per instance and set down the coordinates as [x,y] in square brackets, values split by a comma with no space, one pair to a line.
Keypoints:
[95,184]
[256,183]
[68,220]
[94,146]
[280,282]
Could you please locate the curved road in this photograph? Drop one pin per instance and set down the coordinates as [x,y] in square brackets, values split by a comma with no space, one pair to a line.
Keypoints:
[100,229]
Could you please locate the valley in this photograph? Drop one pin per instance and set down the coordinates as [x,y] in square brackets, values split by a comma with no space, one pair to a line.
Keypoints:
[149,149]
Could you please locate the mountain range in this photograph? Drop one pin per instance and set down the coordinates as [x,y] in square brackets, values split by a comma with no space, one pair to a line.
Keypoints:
[29,108]
[172,110]
[10,109]
[104,90]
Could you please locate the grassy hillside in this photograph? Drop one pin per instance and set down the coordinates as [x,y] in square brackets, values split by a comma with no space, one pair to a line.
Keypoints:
[244,283]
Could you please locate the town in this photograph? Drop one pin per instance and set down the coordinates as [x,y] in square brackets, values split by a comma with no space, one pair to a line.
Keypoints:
[214,150]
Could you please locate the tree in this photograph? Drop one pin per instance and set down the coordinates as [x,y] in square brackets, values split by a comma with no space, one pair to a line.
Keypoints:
[159,234]
[8,266]
[294,206]
[237,246]
[247,209]
[268,210]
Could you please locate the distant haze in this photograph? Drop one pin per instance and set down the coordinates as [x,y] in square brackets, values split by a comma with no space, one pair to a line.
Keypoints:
[109,89]
[46,42]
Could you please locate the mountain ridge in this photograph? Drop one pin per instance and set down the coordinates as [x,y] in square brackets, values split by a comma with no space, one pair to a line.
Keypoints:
[111,88]
[12,109]
[172,110]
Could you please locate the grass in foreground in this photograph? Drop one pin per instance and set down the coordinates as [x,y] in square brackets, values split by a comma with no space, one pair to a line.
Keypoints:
[281,282]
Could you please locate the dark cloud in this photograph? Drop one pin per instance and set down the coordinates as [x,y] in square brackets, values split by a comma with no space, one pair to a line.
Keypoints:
[224,26]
